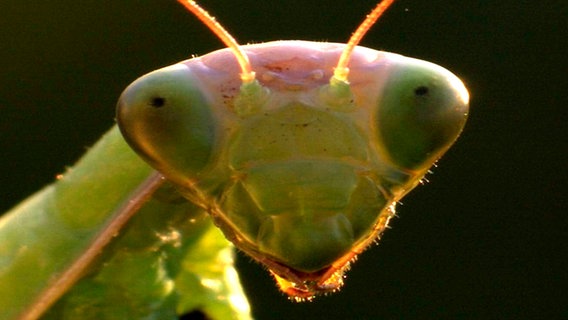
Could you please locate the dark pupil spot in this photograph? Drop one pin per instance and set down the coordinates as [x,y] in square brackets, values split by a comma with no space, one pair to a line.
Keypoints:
[194,315]
[421,91]
[158,102]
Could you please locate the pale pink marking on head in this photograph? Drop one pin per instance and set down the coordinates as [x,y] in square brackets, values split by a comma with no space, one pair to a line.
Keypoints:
[341,71]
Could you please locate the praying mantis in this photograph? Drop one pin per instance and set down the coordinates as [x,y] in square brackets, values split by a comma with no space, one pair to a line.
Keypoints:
[297,150]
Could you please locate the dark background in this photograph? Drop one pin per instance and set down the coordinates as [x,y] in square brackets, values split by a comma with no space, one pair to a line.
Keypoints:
[486,238]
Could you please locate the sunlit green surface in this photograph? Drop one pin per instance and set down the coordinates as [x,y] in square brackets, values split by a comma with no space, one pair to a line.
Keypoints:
[137,276]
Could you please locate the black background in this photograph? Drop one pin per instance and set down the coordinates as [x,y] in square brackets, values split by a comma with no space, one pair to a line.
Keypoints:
[486,238]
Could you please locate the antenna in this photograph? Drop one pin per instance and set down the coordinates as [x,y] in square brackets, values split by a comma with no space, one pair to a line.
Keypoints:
[247,75]
[341,71]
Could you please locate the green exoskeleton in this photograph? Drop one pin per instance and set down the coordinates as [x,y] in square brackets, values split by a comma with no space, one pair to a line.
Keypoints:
[297,150]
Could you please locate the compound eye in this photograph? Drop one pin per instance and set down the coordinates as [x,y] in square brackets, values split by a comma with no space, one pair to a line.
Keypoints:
[420,113]
[167,120]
